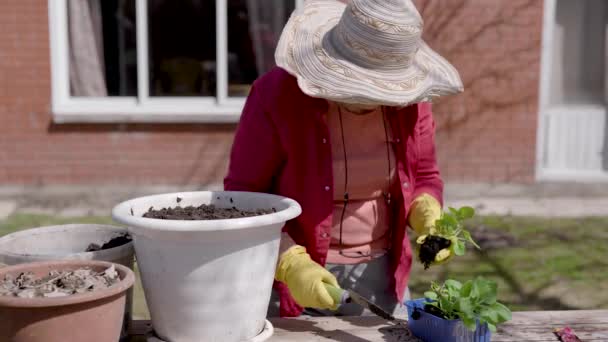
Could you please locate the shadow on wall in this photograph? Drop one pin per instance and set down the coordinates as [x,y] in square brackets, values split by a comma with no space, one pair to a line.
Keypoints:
[205,160]
[475,46]
[496,49]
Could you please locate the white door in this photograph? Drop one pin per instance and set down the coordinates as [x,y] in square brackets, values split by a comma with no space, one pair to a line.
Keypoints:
[572,127]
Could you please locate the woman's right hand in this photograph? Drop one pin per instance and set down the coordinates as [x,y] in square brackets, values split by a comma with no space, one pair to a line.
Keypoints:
[305,279]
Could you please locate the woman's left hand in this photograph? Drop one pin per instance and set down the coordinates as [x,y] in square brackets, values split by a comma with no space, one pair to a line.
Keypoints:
[425,210]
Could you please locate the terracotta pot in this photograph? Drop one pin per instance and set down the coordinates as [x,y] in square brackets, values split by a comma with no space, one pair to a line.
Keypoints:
[93,317]
[69,242]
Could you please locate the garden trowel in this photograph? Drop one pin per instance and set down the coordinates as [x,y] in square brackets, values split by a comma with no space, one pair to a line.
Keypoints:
[349,296]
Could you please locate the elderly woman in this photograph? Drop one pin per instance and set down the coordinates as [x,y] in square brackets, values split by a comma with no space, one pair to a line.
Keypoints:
[343,126]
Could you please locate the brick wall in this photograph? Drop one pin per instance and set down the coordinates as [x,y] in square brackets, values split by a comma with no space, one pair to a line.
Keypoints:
[485,135]
[488,133]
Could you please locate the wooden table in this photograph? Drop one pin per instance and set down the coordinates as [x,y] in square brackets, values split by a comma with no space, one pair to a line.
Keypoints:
[589,325]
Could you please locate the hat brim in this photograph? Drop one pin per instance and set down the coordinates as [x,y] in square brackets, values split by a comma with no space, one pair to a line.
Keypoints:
[305,51]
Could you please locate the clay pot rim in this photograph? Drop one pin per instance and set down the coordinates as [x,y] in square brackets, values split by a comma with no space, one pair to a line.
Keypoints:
[126,282]
[126,248]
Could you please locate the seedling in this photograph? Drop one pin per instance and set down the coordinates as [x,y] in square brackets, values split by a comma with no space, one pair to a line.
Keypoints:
[472,302]
[449,233]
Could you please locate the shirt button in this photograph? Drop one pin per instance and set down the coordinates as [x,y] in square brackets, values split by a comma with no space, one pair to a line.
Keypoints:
[324,141]
[406,185]
[327,188]
[398,140]
[324,235]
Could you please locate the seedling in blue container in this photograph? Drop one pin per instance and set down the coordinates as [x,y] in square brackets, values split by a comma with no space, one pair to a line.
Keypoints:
[472,302]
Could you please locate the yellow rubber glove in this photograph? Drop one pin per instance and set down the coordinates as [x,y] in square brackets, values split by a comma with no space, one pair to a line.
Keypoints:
[425,210]
[305,279]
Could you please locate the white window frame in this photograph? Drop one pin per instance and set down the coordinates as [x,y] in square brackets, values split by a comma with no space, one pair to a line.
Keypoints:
[143,108]
[545,108]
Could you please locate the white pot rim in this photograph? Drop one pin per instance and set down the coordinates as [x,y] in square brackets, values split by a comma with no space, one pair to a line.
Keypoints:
[122,214]
[125,249]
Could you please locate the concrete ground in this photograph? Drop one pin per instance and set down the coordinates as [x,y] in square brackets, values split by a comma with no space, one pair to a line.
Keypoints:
[550,199]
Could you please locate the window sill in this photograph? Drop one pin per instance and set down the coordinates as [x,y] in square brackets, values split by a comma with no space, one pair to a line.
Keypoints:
[160,111]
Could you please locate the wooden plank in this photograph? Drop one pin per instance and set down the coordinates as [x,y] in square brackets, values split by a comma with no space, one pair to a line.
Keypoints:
[590,326]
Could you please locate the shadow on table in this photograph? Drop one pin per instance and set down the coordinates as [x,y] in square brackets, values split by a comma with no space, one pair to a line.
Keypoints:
[313,327]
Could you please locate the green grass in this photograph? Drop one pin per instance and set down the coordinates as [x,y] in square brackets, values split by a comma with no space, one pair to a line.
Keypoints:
[554,263]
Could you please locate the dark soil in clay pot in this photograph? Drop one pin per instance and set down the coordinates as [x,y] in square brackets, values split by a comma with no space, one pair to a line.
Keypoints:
[117,241]
[202,212]
[58,283]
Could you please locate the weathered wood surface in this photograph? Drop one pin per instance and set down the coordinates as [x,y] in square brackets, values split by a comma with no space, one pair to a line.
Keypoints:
[589,325]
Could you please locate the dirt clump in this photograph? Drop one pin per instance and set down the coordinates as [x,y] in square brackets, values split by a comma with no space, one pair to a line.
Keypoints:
[116,241]
[430,247]
[58,283]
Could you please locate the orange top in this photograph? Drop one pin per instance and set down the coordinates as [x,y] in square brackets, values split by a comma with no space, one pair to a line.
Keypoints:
[366,226]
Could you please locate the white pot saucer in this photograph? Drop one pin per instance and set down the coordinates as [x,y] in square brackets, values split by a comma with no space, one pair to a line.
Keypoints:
[262,336]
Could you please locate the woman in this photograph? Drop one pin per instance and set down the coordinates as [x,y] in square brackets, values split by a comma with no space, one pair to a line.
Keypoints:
[341,126]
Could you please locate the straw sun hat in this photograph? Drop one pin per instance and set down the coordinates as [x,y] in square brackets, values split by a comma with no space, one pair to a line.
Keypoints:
[366,52]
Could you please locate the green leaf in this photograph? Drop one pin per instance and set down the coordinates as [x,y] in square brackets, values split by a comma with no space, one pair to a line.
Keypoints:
[454,212]
[475,289]
[487,291]
[464,306]
[453,284]
[465,291]
[445,305]
[458,248]
[470,323]
[467,236]
[430,295]
[503,312]
[488,314]
[466,212]
[450,220]
[492,327]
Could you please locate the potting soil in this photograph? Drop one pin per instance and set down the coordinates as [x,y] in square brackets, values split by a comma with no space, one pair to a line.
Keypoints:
[203,212]
[117,241]
[58,283]
[429,249]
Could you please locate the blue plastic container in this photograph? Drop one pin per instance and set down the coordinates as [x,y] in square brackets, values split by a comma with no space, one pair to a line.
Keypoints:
[431,328]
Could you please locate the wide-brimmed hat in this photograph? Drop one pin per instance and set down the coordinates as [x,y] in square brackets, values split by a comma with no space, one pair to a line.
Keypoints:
[366,52]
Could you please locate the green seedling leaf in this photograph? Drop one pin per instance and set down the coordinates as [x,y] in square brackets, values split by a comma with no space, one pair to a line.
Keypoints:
[467,236]
[458,248]
[464,306]
[470,323]
[454,212]
[450,220]
[487,292]
[503,313]
[466,212]
[430,295]
[451,283]
[492,327]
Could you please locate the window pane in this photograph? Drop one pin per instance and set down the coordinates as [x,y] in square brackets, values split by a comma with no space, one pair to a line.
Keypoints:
[102,40]
[254,27]
[577,75]
[182,47]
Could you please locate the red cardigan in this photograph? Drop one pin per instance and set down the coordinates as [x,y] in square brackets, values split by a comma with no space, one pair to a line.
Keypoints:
[282,146]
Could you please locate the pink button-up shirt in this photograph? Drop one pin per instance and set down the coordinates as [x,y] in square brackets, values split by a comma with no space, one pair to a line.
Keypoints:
[282,146]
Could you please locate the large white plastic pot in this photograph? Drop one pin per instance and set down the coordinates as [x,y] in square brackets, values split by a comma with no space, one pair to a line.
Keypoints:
[207,280]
